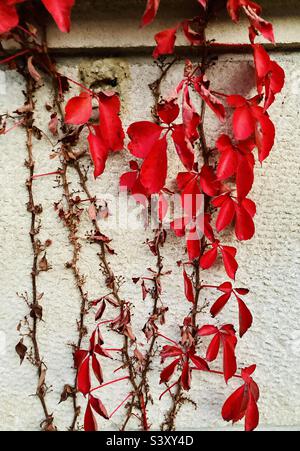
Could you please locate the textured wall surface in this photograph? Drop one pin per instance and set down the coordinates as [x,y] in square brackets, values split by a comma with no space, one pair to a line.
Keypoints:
[269,264]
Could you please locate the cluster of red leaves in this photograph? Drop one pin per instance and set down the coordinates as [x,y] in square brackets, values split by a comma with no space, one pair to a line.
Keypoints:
[245,317]
[166,39]
[60,10]
[183,360]
[108,135]
[225,186]
[148,140]
[243,402]
[85,362]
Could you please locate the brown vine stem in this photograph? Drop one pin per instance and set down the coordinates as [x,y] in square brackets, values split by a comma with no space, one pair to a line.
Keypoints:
[157,244]
[37,265]
[177,398]
[72,220]
[113,285]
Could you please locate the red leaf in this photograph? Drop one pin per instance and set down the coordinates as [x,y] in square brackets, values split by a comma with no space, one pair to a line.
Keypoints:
[183,146]
[226,287]
[99,407]
[229,359]
[170,351]
[208,181]
[168,111]
[226,214]
[9,17]
[212,101]
[242,291]
[110,127]
[220,304]
[90,423]
[236,101]
[83,377]
[200,363]
[79,109]
[193,244]
[258,24]
[165,41]
[79,356]
[178,226]
[264,134]
[186,376]
[98,151]
[60,10]
[245,317]
[150,12]
[252,10]
[168,372]
[191,118]
[100,310]
[244,225]
[188,287]
[252,414]
[154,169]
[128,180]
[244,174]
[233,405]
[192,31]
[228,160]
[209,258]
[143,135]
[213,349]
[97,369]
[229,260]
[243,123]
[53,124]
[207,330]
[247,372]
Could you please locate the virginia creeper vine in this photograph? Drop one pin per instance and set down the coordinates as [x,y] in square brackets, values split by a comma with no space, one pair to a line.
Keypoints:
[213,187]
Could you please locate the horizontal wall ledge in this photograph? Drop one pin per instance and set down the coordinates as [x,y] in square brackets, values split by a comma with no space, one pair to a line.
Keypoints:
[113,26]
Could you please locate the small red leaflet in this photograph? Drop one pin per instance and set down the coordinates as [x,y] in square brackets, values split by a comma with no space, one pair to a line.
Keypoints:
[225,335]
[269,75]
[236,160]
[243,402]
[183,360]
[251,120]
[245,317]
[242,212]
[252,11]
[228,255]
[60,10]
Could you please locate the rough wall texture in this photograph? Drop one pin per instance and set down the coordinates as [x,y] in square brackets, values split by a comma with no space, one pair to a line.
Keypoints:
[269,264]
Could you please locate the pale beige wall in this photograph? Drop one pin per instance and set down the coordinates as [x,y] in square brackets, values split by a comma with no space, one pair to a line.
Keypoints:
[269,264]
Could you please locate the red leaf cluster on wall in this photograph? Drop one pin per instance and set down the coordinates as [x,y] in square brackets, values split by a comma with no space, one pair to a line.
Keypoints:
[225,185]
[60,10]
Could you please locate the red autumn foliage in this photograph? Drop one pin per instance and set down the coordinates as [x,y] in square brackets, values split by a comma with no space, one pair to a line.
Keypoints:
[103,138]
[183,361]
[243,402]
[210,186]
[60,10]
[269,75]
[224,336]
[245,317]
[241,212]
[251,121]
[228,254]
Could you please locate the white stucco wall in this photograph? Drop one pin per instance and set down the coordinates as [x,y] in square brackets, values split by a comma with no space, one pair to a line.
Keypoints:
[269,264]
